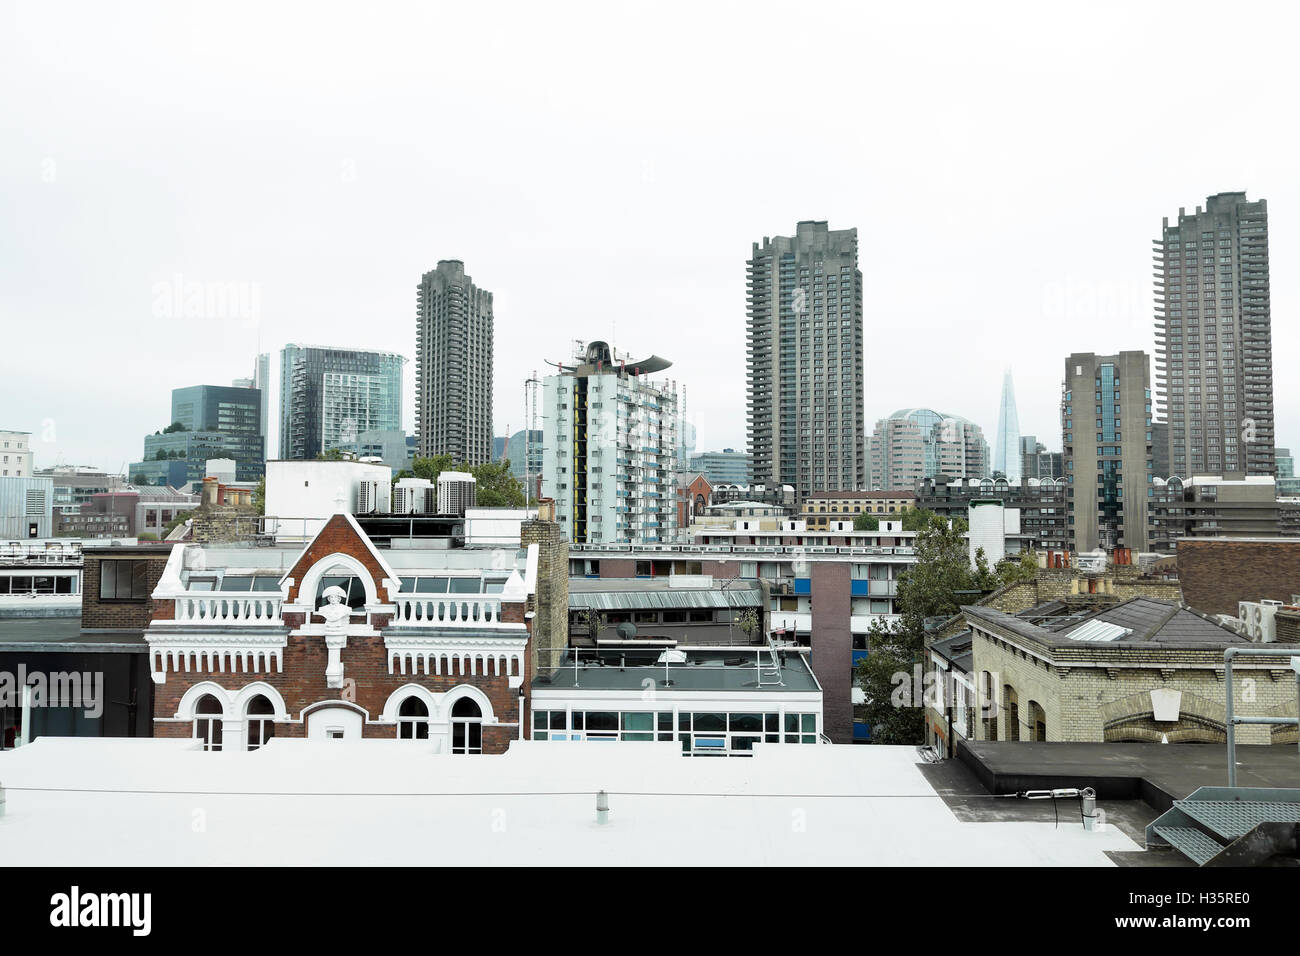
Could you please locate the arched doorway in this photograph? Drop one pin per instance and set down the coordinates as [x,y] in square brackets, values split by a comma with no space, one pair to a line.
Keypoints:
[261,721]
[466,727]
[413,719]
[1011,712]
[208,722]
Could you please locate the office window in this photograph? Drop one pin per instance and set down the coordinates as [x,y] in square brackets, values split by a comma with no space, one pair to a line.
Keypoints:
[123,580]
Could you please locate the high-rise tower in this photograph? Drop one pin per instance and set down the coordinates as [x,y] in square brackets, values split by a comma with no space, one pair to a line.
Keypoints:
[1214,349]
[1106,435]
[453,366]
[805,378]
[1006,456]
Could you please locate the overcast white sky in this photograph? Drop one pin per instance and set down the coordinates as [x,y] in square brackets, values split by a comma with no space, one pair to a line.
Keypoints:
[607,166]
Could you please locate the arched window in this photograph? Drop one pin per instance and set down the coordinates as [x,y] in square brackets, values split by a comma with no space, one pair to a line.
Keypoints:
[350,583]
[413,719]
[207,722]
[261,725]
[466,727]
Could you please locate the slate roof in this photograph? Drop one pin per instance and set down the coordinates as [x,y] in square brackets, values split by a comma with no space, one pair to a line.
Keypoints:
[1150,621]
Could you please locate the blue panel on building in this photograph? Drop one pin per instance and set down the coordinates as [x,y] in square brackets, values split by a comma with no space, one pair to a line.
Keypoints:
[861,588]
[861,731]
[803,585]
[859,657]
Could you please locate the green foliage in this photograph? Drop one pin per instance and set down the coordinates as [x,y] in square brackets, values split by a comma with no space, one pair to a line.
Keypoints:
[592,620]
[866,522]
[259,496]
[985,579]
[748,622]
[495,486]
[173,428]
[139,478]
[1011,570]
[927,589]
[332,454]
[893,651]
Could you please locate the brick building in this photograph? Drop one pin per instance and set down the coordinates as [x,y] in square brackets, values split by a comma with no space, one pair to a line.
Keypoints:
[1111,656]
[343,639]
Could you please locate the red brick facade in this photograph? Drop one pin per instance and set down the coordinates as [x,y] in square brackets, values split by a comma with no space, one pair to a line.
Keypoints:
[301,681]
[99,613]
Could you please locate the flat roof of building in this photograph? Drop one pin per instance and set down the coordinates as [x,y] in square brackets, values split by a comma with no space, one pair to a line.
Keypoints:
[1160,773]
[64,635]
[714,670]
[394,802]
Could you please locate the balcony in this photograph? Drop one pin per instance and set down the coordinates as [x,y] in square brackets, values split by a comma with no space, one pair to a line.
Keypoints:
[227,609]
[479,610]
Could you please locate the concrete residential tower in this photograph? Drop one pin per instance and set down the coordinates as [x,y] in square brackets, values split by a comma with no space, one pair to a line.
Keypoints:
[805,361]
[1106,435]
[609,449]
[453,366]
[1214,348]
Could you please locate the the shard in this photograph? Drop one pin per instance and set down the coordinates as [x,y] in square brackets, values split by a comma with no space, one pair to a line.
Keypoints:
[1006,456]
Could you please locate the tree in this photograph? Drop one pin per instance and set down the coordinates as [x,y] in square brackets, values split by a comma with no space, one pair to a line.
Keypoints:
[892,653]
[139,478]
[592,620]
[496,486]
[748,622]
[914,519]
[1011,570]
[866,522]
[928,589]
[985,579]
[259,496]
[173,428]
[332,454]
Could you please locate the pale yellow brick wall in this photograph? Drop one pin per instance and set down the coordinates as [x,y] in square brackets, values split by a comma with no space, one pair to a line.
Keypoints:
[1079,701]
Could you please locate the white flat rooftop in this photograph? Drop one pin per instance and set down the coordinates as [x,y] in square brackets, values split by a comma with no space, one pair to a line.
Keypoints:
[147,802]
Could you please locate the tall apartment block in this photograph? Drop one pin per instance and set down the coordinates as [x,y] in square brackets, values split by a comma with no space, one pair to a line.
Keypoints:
[1214,351]
[329,396]
[804,366]
[1106,438]
[609,449]
[453,366]
[917,443]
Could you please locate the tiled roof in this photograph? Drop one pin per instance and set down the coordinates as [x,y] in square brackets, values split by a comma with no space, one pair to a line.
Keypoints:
[1146,619]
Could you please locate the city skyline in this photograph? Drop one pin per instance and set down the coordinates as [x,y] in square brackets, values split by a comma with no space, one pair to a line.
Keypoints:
[214,277]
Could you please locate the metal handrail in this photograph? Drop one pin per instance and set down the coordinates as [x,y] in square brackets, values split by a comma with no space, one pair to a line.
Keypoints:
[1232,720]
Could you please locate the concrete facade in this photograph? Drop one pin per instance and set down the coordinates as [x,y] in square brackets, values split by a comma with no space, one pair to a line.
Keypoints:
[805,364]
[1214,351]
[1106,430]
[453,366]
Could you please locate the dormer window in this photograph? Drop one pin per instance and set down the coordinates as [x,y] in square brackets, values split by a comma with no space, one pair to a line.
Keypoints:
[352,584]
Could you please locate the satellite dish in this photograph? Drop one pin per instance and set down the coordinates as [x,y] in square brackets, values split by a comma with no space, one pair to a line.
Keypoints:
[627,630]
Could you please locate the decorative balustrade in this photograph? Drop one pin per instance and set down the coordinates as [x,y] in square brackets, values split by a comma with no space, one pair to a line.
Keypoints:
[228,609]
[470,610]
